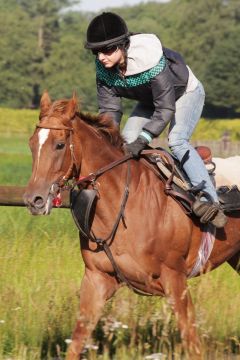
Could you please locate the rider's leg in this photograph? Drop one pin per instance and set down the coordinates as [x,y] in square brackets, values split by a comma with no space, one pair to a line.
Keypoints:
[138,118]
[188,112]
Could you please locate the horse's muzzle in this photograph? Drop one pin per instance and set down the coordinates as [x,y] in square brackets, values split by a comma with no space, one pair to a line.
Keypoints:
[37,205]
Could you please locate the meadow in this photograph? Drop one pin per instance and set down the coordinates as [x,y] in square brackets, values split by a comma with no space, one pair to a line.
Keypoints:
[41,271]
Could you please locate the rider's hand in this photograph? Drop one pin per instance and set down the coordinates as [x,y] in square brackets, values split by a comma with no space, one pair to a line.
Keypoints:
[136,146]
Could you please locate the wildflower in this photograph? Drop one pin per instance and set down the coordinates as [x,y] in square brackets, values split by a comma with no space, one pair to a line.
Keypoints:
[68,341]
[156,356]
[116,325]
[91,347]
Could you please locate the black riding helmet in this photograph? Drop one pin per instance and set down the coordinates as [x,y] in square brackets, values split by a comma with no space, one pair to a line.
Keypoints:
[106,30]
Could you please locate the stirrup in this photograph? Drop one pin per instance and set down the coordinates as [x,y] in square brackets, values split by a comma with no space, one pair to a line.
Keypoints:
[209,212]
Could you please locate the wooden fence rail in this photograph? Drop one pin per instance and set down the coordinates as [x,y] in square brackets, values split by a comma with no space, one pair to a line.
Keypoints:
[13,196]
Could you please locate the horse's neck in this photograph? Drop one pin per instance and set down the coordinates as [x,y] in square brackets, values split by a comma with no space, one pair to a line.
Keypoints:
[96,151]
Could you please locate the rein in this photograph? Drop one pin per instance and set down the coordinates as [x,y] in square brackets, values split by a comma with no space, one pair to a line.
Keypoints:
[93,176]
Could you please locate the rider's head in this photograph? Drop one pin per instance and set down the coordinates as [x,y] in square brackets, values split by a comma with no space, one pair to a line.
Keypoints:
[106,33]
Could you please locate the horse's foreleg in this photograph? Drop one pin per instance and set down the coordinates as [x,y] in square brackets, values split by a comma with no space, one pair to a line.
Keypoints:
[175,288]
[96,289]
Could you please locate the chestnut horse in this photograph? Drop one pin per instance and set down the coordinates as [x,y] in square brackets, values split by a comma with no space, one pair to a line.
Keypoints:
[155,243]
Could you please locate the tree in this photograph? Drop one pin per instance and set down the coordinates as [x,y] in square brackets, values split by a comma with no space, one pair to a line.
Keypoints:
[42,47]
[16,57]
[223,74]
[71,67]
[45,13]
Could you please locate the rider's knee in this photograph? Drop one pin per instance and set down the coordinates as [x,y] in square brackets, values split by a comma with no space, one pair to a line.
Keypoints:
[177,145]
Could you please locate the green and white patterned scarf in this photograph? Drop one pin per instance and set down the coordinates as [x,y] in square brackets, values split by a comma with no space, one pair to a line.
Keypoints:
[113,78]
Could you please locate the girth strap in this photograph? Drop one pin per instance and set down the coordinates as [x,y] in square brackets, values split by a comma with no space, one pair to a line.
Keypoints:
[119,274]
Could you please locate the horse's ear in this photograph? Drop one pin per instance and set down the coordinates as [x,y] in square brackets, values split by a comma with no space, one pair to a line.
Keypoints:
[72,106]
[45,102]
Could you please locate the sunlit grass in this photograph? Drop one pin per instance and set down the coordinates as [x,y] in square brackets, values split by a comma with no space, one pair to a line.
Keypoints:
[23,122]
[41,269]
[208,129]
[17,121]
[15,160]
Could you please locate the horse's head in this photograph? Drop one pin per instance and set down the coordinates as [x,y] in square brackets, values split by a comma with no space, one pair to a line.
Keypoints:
[52,153]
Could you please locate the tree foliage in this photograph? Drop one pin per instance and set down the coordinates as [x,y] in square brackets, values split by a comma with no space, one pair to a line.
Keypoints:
[17,57]
[43,47]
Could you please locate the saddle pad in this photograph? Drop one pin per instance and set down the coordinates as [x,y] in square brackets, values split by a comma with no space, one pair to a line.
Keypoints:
[205,249]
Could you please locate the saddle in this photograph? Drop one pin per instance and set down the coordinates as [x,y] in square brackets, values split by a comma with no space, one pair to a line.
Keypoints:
[229,198]
[177,184]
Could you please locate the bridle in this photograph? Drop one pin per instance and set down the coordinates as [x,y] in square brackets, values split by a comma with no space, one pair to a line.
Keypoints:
[91,178]
[62,182]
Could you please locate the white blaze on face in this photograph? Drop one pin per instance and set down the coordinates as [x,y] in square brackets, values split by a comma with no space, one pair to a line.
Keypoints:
[42,137]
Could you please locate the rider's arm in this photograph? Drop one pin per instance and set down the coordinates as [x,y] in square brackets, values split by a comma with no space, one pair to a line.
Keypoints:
[164,102]
[109,102]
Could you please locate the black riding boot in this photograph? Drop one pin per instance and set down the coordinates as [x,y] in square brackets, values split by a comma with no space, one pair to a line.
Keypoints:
[210,212]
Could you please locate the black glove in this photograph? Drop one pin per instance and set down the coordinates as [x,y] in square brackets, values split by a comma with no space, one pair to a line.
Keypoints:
[136,146]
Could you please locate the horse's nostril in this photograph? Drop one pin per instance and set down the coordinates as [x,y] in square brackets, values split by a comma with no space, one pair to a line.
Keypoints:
[38,202]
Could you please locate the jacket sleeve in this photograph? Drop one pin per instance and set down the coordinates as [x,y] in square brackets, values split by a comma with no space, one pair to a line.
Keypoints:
[164,102]
[109,102]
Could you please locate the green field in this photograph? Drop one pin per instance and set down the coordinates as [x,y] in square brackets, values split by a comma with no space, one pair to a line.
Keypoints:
[41,270]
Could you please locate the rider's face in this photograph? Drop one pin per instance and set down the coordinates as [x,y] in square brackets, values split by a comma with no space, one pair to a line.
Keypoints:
[110,57]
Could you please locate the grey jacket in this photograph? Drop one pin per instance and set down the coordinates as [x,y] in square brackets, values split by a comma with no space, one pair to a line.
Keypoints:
[155,77]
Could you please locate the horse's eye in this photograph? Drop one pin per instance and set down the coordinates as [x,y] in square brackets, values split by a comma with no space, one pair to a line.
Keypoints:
[60,146]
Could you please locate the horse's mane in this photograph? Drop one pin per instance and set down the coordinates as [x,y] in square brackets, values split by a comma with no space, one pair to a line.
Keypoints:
[105,125]
[101,123]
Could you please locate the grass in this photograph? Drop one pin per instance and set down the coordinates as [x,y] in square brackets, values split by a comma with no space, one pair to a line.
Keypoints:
[41,271]
[17,121]
[22,122]
[215,129]
[15,160]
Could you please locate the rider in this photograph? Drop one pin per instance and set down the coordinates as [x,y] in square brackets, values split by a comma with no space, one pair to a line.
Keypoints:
[138,67]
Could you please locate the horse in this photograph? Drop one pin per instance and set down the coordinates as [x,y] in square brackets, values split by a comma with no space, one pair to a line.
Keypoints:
[153,244]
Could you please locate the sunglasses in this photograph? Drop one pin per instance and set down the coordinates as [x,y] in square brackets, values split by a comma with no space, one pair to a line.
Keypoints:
[105,51]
